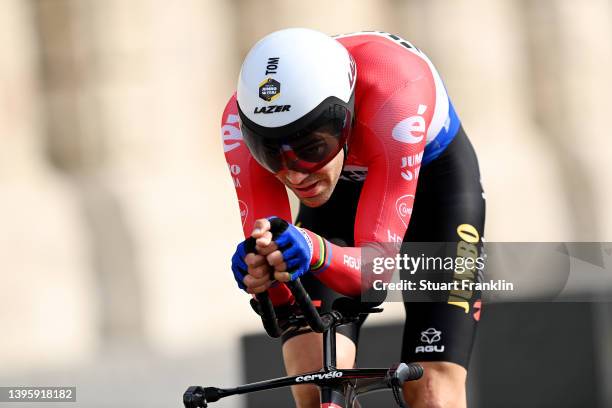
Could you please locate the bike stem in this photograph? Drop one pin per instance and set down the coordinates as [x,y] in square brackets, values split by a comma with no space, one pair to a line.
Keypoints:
[331,393]
[329,349]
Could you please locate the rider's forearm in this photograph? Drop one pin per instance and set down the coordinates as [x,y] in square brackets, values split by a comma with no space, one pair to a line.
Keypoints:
[337,267]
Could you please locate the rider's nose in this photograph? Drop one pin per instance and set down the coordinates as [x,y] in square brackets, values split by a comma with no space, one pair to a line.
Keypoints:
[295,177]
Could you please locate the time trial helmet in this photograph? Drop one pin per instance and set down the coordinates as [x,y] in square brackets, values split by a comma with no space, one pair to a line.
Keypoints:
[296,99]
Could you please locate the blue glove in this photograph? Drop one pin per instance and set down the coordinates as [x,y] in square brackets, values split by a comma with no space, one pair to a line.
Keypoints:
[239,267]
[294,244]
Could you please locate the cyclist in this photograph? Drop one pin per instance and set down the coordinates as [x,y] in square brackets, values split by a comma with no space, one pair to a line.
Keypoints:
[349,124]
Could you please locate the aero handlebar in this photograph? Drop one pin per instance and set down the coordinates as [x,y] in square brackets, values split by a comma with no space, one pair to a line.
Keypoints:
[302,300]
[268,315]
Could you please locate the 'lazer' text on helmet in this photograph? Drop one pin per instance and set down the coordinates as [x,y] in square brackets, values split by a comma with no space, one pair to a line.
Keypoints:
[272,109]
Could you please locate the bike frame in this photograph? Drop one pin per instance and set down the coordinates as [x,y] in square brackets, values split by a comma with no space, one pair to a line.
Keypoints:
[339,387]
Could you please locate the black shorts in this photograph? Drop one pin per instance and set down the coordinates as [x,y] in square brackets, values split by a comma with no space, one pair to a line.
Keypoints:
[449,195]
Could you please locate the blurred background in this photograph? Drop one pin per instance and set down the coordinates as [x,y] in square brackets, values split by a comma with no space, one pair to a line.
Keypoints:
[118,216]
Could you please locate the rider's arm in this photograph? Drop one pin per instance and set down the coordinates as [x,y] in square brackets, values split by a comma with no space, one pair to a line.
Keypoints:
[259,193]
[387,197]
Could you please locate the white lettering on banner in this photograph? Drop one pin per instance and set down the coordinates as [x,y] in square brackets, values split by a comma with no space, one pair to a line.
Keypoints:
[230,132]
[352,262]
[407,130]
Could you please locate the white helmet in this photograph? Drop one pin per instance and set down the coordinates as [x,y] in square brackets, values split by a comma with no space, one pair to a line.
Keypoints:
[296,99]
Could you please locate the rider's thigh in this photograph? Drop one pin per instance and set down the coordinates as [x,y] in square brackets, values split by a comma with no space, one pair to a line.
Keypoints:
[442,385]
[304,353]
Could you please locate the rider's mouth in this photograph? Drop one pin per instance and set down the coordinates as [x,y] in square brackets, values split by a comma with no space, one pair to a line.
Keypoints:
[310,190]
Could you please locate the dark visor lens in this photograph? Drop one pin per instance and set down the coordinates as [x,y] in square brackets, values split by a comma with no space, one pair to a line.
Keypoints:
[307,150]
[317,146]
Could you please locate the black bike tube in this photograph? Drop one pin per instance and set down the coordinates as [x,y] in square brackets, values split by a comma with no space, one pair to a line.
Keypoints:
[329,349]
[361,380]
[213,394]
[268,315]
[266,309]
[308,309]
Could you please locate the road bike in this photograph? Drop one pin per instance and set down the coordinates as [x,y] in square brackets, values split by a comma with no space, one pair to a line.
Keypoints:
[339,388]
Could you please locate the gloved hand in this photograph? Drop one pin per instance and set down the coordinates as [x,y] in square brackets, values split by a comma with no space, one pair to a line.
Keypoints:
[295,248]
[239,266]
